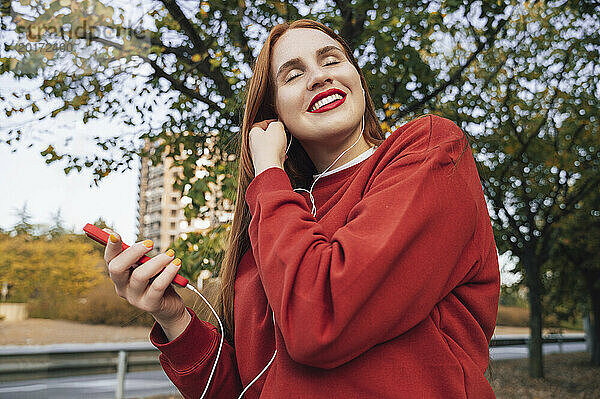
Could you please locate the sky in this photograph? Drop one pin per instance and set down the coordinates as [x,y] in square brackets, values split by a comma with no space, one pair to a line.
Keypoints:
[25,178]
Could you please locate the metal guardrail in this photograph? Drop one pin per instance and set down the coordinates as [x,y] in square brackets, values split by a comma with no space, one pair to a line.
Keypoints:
[47,361]
[512,340]
[19,363]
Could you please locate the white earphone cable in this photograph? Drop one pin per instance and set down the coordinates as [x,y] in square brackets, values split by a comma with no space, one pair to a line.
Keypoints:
[193,289]
[312,199]
[214,367]
[264,369]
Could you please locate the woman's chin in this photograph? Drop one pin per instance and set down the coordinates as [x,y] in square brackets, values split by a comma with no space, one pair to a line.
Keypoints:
[325,133]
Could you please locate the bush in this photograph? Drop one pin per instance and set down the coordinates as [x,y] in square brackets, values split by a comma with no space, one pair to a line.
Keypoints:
[513,316]
[102,305]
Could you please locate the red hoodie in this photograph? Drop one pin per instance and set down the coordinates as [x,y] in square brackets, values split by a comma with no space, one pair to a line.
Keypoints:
[391,291]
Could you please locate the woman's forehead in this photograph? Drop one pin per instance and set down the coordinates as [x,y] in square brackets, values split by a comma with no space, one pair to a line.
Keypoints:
[299,43]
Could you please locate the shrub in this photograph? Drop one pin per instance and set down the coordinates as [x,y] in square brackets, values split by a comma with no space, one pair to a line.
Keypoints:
[513,316]
[102,305]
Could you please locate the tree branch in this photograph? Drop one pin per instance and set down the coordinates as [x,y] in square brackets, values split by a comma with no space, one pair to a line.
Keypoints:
[480,47]
[159,72]
[177,84]
[186,25]
[588,186]
[240,34]
[199,46]
[181,52]
[351,31]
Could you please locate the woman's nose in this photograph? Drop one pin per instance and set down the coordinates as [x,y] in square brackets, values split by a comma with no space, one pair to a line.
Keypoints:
[318,77]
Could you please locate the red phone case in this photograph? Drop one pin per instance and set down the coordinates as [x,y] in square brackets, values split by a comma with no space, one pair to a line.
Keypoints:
[101,236]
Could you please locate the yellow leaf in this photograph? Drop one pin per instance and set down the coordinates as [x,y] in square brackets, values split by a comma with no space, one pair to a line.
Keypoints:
[280,7]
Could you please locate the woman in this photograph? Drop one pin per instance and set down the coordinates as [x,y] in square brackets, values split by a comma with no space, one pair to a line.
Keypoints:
[376,278]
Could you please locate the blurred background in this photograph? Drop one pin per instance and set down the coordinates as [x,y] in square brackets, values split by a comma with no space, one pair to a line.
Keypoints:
[125,114]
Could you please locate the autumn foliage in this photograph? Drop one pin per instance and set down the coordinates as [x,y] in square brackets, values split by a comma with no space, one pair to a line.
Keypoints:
[37,268]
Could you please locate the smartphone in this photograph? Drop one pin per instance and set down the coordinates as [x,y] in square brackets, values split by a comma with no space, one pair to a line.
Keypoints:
[101,236]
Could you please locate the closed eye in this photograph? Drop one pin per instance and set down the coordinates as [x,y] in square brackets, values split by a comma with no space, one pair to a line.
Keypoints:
[295,76]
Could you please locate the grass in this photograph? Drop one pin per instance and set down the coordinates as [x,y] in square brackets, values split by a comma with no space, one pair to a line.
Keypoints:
[567,376]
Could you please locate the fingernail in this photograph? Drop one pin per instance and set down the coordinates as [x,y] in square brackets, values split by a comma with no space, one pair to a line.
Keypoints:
[113,238]
[177,261]
[148,243]
[170,252]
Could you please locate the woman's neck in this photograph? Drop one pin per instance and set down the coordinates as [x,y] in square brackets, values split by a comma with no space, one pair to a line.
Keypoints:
[323,157]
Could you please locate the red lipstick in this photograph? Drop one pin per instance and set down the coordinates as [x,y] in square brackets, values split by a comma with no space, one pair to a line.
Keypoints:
[329,106]
[324,94]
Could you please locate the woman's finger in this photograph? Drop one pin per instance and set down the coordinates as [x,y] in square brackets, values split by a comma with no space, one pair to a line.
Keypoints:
[113,246]
[119,266]
[263,124]
[157,289]
[138,281]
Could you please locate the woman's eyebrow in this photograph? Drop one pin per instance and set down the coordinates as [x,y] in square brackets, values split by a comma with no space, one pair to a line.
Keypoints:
[296,61]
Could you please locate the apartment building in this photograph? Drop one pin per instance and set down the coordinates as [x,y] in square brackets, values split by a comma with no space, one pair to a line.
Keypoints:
[160,209]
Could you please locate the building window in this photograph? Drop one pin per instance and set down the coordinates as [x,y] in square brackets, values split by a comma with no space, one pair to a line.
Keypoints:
[172,225]
[172,238]
[174,199]
[173,212]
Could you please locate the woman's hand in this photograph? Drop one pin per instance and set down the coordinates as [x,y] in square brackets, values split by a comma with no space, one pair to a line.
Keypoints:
[135,284]
[267,145]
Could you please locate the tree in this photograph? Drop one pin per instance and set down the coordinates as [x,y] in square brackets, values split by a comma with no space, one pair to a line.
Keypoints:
[57,229]
[532,105]
[575,272]
[199,251]
[24,225]
[178,76]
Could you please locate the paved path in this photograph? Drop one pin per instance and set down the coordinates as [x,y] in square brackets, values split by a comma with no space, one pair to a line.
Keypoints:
[102,386]
[152,383]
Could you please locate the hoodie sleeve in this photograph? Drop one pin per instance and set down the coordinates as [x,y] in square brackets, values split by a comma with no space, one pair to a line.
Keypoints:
[406,244]
[189,358]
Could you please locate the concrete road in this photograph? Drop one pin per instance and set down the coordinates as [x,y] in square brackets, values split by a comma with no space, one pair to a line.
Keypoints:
[152,383]
[103,386]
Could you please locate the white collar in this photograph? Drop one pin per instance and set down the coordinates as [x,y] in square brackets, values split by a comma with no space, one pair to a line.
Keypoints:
[350,163]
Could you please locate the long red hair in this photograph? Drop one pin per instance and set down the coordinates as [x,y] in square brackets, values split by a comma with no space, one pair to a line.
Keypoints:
[259,105]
